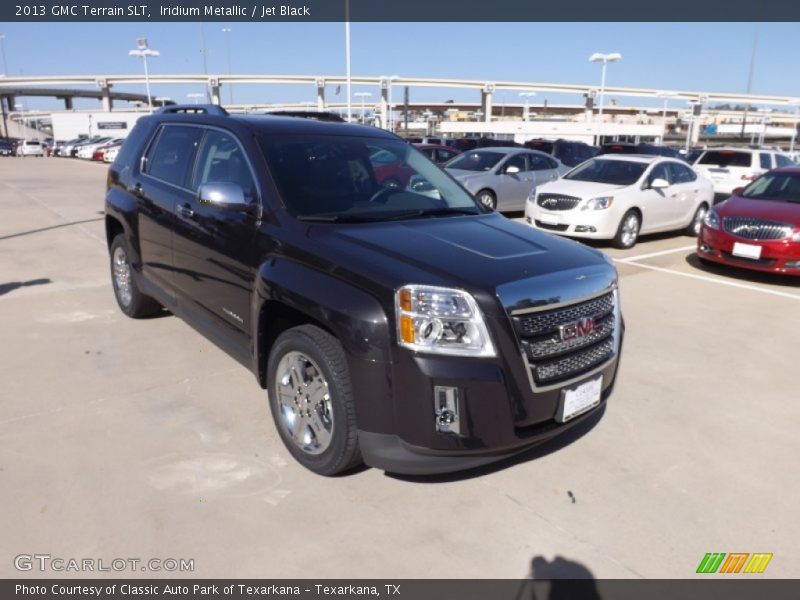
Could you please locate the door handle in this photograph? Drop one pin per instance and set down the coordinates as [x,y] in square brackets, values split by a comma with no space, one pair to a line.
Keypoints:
[185,210]
[136,190]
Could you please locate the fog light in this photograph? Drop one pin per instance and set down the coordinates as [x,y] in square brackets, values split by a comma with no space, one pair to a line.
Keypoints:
[585,229]
[445,408]
[792,264]
[528,219]
[705,248]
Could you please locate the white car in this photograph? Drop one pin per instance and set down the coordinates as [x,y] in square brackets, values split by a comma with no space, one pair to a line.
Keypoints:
[30,148]
[110,155]
[731,168]
[87,150]
[617,197]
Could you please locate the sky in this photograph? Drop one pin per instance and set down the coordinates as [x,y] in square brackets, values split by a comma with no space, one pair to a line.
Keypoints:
[687,56]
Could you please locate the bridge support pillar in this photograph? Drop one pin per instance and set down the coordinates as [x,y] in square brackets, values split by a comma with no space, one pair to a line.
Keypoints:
[105,94]
[486,101]
[384,104]
[67,102]
[320,95]
[215,87]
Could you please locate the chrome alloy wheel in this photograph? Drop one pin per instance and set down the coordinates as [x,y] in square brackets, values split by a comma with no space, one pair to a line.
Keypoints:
[306,411]
[630,230]
[486,199]
[122,276]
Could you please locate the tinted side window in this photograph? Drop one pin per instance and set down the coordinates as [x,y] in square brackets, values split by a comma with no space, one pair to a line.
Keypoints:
[444,155]
[660,171]
[172,156]
[515,161]
[681,174]
[222,160]
[783,161]
[764,160]
[725,158]
[541,163]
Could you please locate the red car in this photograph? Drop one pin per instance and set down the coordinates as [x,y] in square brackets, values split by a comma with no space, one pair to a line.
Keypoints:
[437,153]
[758,227]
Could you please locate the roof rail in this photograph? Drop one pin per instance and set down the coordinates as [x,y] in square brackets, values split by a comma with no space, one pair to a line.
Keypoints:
[308,114]
[205,109]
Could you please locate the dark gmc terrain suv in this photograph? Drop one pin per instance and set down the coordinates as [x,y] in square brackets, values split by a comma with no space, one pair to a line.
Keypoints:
[400,326]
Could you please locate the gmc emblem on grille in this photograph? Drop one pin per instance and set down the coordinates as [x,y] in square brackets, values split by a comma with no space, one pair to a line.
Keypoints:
[577,329]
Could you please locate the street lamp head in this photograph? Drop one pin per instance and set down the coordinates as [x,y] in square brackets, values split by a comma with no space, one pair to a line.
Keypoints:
[527,94]
[610,57]
[226,30]
[141,43]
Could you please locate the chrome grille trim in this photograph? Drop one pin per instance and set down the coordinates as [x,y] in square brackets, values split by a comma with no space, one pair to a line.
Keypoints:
[539,323]
[753,228]
[557,201]
[551,345]
[594,361]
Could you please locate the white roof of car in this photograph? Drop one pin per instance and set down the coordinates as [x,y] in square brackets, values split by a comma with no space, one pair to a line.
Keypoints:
[642,158]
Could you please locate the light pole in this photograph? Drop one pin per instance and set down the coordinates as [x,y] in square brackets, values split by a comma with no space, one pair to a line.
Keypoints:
[347,58]
[605,59]
[666,96]
[3,49]
[796,103]
[527,96]
[227,31]
[142,51]
[362,95]
[764,121]
[196,97]
[389,79]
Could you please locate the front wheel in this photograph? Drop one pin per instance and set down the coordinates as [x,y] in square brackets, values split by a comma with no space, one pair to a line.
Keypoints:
[693,229]
[311,400]
[131,300]
[628,230]
[487,199]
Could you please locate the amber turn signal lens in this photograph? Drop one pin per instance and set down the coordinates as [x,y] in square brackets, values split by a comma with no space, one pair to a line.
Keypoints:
[405,300]
[407,329]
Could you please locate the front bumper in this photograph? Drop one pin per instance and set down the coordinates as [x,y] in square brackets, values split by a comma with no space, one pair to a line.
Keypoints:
[779,256]
[589,224]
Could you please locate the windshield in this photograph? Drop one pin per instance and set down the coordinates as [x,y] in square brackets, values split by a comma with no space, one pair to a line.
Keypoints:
[616,172]
[343,178]
[475,161]
[779,187]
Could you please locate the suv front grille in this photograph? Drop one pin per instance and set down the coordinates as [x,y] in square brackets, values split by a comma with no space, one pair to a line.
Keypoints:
[557,201]
[753,228]
[567,342]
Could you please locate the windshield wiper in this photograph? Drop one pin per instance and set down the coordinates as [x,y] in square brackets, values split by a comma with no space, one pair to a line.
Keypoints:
[375,217]
[432,212]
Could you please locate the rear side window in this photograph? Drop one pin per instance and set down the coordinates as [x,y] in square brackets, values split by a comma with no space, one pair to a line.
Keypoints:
[541,163]
[681,173]
[783,161]
[221,160]
[444,155]
[764,160]
[725,158]
[172,156]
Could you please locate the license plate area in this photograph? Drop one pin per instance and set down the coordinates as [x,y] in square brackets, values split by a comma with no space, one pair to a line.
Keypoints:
[580,398]
[751,251]
[549,218]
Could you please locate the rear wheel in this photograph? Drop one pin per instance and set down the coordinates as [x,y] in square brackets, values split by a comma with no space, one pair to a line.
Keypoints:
[487,199]
[628,230]
[693,229]
[131,301]
[311,400]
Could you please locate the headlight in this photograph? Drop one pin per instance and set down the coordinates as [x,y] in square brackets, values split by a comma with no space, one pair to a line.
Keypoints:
[532,194]
[796,237]
[711,220]
[441,320]
[600,203]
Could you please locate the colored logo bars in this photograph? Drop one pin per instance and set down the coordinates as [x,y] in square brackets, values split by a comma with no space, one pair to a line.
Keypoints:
[738,562]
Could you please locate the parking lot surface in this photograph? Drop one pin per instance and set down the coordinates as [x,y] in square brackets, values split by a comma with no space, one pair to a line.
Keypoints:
[140,439]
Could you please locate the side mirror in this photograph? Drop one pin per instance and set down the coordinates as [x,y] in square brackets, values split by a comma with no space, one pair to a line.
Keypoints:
[511,170]
[224,195]
[737,191]
[659,184]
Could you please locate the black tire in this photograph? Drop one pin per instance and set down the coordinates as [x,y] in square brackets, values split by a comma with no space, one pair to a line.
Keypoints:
[487,198]
[342,452]
[693,228]
[137,305]
[622,239]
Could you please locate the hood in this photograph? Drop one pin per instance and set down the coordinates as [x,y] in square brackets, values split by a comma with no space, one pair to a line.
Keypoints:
[481,254]
[783,212]
[579,189]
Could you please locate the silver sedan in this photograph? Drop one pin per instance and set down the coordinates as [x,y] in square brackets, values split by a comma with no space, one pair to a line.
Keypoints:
[503,178]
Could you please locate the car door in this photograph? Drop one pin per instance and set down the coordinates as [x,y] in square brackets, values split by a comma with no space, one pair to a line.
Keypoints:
[688,192]
[658,208]
[513,182]
[160,185]
[213,246]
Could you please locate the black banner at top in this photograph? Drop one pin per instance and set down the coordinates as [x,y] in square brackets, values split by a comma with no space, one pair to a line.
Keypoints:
[396,10]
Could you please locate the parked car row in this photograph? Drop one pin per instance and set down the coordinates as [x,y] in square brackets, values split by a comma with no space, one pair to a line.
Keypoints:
[98,148]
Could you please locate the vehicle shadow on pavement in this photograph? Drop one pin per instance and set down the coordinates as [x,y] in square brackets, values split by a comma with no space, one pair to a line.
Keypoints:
[566,580]
[59,226]
[553,445]
[5,288]
[742,274]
